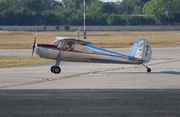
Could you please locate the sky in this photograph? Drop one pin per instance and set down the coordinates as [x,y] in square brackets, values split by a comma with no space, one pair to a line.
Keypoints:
[101,0]
[109,0]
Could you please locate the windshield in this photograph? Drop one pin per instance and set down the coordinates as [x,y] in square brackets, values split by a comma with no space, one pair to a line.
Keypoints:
[55,42]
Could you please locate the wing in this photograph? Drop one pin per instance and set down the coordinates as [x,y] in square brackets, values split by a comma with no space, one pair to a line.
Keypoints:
[69,40]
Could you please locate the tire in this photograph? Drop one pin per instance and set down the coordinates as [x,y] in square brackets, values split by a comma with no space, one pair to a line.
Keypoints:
[56,70]
[52,69]
[148,70]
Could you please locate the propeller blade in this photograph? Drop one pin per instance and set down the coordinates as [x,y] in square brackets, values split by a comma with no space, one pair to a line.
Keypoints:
[34,45]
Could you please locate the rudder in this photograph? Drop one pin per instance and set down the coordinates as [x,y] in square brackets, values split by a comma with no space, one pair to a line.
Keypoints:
[141,50]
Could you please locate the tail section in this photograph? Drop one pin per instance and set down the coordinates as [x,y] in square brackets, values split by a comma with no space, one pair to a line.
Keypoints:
[141,50]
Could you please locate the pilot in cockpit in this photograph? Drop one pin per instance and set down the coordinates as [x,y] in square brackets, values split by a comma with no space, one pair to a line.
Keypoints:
[68,46]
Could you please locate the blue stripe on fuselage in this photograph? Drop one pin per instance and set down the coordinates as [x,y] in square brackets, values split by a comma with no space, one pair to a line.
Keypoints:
[104,51]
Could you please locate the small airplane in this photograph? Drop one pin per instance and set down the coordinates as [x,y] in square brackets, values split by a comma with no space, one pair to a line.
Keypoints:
[76,50]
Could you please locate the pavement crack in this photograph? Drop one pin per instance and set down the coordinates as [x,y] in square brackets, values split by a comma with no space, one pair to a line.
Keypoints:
[81,74]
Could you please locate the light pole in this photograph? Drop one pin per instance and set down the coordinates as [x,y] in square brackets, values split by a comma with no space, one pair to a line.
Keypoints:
[84,19]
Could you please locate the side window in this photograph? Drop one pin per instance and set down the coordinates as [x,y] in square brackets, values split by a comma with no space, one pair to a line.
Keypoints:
[68,46]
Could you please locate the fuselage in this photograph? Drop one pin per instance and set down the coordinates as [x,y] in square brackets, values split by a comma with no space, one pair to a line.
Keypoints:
[84,53]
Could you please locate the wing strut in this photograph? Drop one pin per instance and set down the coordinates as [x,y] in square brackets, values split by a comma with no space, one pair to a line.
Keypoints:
[59,54]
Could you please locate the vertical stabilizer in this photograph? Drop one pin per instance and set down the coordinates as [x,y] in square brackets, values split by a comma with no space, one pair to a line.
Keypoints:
[141,50]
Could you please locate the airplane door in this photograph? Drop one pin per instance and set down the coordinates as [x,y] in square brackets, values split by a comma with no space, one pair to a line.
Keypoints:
[60,44]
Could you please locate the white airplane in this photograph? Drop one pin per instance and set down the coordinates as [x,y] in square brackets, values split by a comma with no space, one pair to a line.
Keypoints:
[76,50]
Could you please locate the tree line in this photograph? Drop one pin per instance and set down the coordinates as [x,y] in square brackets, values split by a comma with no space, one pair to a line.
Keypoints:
[70,12]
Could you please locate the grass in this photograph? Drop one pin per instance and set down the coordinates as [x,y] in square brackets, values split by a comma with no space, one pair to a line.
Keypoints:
[24,40]
[9,61]
[126,39]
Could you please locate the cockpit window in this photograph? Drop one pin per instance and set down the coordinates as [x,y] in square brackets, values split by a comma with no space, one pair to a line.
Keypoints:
[56,42]
[68,46]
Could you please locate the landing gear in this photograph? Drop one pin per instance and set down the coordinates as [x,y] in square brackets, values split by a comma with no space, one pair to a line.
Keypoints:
[55,69]
[148,69]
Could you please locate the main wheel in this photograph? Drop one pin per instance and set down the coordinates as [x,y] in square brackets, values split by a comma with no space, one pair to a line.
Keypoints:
[56,69]
[148,70]
[52,69]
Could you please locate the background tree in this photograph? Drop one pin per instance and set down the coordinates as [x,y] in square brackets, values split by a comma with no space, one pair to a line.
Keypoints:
[52,12]
[159,8]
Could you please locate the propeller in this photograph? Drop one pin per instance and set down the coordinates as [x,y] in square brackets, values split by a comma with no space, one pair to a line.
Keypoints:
[34,45]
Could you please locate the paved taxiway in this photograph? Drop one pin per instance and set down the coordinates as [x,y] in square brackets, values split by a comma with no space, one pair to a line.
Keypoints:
[87,90]
[165,65]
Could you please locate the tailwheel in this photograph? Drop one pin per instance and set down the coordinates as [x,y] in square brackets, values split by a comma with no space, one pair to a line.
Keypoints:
[148,70]
[55,69]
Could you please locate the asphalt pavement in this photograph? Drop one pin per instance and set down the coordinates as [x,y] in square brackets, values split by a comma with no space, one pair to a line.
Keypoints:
[90,103]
